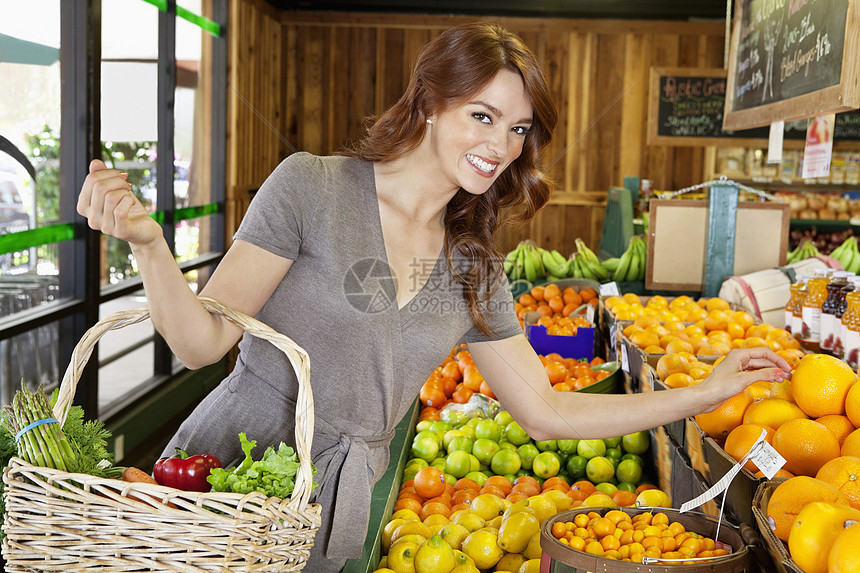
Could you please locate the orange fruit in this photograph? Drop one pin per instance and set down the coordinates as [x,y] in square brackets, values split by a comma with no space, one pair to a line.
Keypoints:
[741,439]
[772,412]
[815,531]
[780,473]
[644,339]
[820,384]
[852,405]
[726,417]
[789,497]
[781,390]
[429,482]
[840,425]
[843,553]
[679,345]
[717,320]
[671,363]
[844,474]
[792,356]
[758,390]
[716,303]
[851,445]
[678,380]
[806,445]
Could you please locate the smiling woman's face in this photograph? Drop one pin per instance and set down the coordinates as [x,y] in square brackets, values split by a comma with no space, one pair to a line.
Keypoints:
[476,141]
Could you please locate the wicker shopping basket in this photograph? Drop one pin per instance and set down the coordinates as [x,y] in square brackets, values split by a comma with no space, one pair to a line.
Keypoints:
[58,521]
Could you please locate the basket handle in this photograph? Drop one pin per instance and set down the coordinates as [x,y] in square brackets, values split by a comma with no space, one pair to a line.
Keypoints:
[296,355]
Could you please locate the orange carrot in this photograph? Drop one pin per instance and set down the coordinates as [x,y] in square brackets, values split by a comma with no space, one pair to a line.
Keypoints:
[133,474]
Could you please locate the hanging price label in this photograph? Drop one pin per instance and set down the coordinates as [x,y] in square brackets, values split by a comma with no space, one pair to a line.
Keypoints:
[761,453]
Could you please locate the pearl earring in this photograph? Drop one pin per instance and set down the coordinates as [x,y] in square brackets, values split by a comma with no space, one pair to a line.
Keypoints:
[429,122]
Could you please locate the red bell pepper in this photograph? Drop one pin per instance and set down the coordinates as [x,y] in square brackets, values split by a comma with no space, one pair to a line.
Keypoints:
[185,472]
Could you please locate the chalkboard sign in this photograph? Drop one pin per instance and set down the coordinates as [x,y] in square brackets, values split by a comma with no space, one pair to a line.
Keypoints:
[791,60]
[687,106]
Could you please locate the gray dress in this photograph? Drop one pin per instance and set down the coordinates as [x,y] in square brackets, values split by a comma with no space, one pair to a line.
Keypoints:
[368,359]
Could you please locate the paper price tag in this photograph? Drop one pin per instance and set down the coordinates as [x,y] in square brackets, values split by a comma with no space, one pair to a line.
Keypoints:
[589,314]
[767,460]
[613,336]
[774,142]
[625,361]
[609,289]
[724,482]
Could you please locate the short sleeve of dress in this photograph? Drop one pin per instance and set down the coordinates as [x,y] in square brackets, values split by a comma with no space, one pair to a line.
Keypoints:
[281,212]
[500,313]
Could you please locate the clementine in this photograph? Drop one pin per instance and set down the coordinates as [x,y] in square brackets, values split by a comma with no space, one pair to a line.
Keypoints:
[843,553]
[851,444]
[814,532]
[741,440]
[772,412]
[844,474]
[789,497]
[820,384]
[840,425]
[852,405]
[429,482]
[806,445]
[726,417]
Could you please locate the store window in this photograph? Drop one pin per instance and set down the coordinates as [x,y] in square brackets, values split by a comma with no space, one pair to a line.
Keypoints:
[153,70]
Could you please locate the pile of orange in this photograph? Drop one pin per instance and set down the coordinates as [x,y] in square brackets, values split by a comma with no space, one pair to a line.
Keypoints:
[553,302]
[617,535]
[455,380]
[705,328]
[569,374]
[810,419]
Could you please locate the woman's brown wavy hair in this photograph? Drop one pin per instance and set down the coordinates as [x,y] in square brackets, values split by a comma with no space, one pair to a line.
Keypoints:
[455,66]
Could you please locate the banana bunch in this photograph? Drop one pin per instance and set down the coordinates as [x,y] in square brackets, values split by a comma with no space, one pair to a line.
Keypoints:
[630,266]
[585,264]
[803,251]
[848,255]
[530,262]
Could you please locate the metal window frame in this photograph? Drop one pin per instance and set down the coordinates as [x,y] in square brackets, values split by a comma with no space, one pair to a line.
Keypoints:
[80,140]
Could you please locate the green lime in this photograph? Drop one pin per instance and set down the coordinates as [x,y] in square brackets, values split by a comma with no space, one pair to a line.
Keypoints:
[505,462]
[425,447]
[576,467]
[636,457]
[423,425]
[484,449]
[478,477]
[612,442]
[546,465]
[503,418]
[506,445]
[590,448]
[488,429]
[527,453]
[629,471]
[567,446]
[606,487]
[515,434]
[627,486]
[458,463]
[460,443]
[547,445]
[636,443]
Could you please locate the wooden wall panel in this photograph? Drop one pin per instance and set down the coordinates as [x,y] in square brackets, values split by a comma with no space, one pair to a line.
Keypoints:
[308,81]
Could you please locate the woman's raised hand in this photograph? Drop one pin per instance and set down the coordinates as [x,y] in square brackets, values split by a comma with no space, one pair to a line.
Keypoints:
[742,367]
[107,202]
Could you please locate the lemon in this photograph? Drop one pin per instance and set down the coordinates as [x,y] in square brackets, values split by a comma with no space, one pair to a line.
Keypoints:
[465,568]
[654,498]
[461,558]
[522,505]
[530,566]
[495,523]
[409,537]
[436,519]
[388,531]
[544,507]
[470,520]
[405,514]
[408,527]
[384,570]
[516,531]
[561,500]
[483,548]
[533,550]
[454,534]
[510,562]
[487,506]
[434,556]
[599,499]
[401,558]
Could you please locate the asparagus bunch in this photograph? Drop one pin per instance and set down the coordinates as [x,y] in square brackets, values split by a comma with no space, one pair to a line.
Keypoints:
[45,444]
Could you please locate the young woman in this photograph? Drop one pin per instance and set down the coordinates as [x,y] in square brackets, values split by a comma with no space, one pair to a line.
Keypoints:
[377,262]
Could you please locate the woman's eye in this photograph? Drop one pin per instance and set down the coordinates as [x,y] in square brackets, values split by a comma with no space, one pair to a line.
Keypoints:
[482,117]
[520,130]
